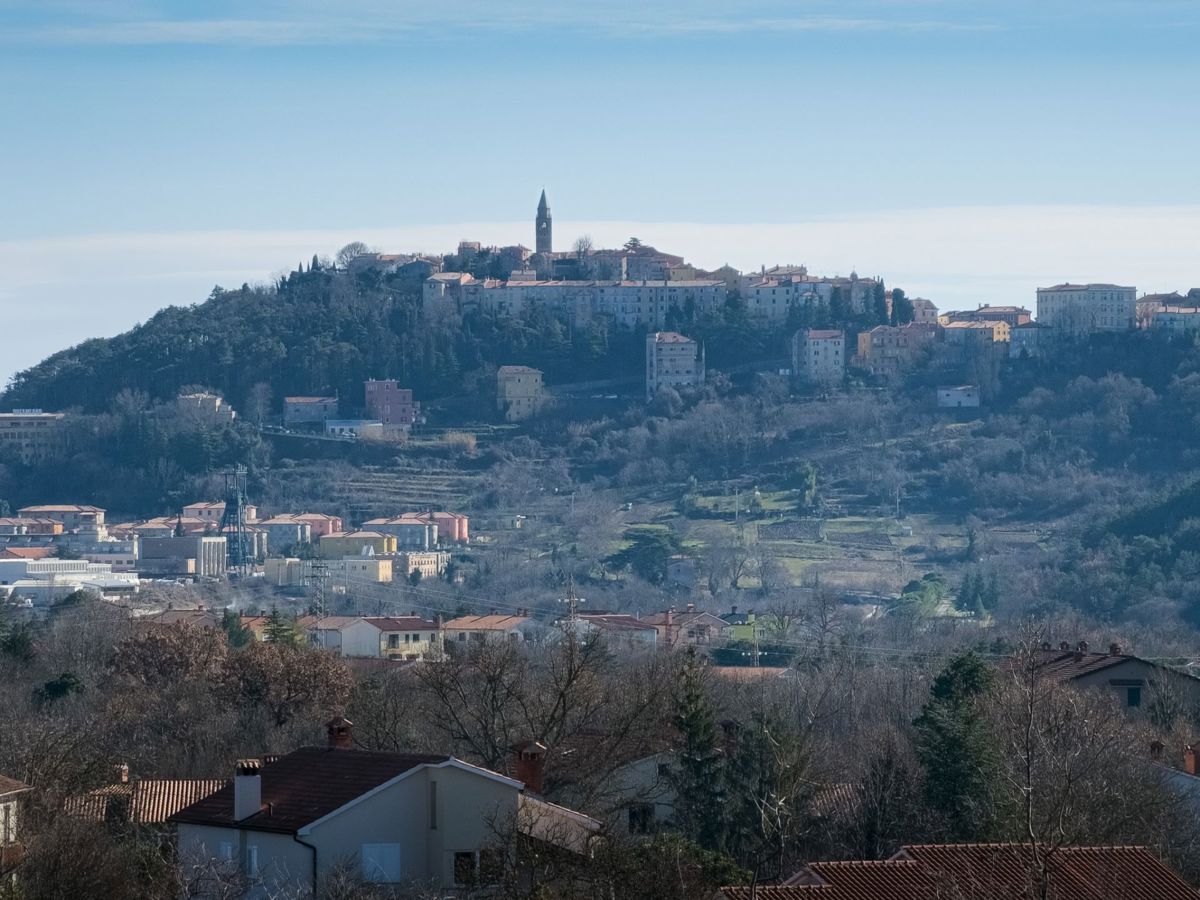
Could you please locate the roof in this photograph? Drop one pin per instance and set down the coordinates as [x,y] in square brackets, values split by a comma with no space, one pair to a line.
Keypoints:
[1067,286]
[306,785]
[991,871]
[59,508]
[402,623]
[682,618]
[150,801]
[11,786]
[485,623]
[518,370]
[617,622]
[671,337]
[27,552]
[823,334]
[204,618]
[353,534]
[310,399]
[750,673]
[1066,665]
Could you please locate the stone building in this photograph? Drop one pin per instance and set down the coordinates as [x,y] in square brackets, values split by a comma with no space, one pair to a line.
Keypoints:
[519,392]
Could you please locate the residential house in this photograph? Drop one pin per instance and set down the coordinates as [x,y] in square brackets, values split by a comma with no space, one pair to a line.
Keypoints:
[430,563]
[672,360]
[214,511]
[356,543]
[309,410]
[400,817]
[345,635]
[924,311]
[31,435]
[1031,340]
[410,534]
[617,629]
[452,528]
[11,847]
[1079,309]
[976,334]
[408,637]
[519,392]
[204,409]
[1134,681]
[285,531]
[391,404]
[320,523]
[1010,315]
[142,801]
[742,625]
[688,628]
[464,629]
[72,516]
[345,574]
[819,356]
[22,525]
[938,871]
[958,396]
[891,350]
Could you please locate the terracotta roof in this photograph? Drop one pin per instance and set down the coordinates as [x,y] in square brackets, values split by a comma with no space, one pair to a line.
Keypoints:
[27,552]
[203,618]
[65,507]
[306,785]
[402,623]
[150,802]
[485,623]
[823,335]
[11,786]
[310,399]
[683,618]
[1063,665]
[984,871]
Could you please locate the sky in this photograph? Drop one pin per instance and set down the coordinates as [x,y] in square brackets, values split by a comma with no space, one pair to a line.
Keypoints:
[966,150]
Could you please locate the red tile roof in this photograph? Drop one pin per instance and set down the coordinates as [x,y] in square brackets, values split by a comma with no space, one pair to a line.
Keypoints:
[306,785]
[150,802]
[27,552]
[402,623]
[983,871]
[1064,665]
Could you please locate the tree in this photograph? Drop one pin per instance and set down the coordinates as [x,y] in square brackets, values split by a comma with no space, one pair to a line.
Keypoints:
[633,245]
[957,748]
[879,306]
[288,682]
[282,630]
[258,402]
[902,308]
[697,776]
[582,246]
[349,252]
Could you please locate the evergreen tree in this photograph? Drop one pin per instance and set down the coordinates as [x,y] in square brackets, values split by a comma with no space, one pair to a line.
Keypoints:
[957,749]
[902,308]
[281,629]
[237,634]
[879,310]
[698,782]
[990,595]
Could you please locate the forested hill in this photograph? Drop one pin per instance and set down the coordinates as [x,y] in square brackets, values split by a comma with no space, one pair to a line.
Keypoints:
[315,331]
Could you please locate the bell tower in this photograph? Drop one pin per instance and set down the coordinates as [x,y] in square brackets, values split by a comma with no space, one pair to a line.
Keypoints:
[543,242]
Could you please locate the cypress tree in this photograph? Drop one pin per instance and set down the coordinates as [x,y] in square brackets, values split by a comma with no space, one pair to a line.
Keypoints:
[698,782]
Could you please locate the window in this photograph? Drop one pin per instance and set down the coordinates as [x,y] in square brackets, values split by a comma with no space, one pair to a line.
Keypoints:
[381,863]
[252,860]
[433,806]
[225,851]
[641,818]
[1133,696]
[464,868]
[393,641]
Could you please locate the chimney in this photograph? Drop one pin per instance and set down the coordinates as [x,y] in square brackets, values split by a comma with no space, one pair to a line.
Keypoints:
[1063,645]
[1189,760]
[247,789]
[339,734]
[1083,647]
[531,764]
[733,610]
[691,607]
[1114,649]
[122,774]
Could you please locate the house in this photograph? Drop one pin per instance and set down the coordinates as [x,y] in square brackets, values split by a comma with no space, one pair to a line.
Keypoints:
[1079,309]
[72,516]
[142,801]
[617,629]
[214,511]
[519,392]
[410,534]
[22,525]
[892,350]
[203,408]
[818,356]
[11,848]
[429,563]
[344,635]
[356,543]
[320,523]
[32,435]
[673,361]
[1132,679]
[1033,339]
[452,528]
[959,396]
[688,628]
[938,871]
[401,817]
[391,404]
[285,531]
[309,410]
[490,627]
[742,625]
[408,637]
[924,311]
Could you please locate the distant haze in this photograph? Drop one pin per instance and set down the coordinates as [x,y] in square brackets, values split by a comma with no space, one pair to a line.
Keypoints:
[56,292]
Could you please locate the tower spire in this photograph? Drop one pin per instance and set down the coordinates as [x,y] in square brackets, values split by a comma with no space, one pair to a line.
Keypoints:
[543,240]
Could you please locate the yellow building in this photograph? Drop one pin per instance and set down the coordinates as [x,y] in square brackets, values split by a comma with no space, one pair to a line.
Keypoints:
[519,392]
[431,564]
[356,543]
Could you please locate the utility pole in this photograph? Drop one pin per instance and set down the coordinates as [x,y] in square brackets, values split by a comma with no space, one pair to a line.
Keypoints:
[318,571]
[573,603]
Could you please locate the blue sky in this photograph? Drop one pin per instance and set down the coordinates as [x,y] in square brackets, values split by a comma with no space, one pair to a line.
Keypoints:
[293,121]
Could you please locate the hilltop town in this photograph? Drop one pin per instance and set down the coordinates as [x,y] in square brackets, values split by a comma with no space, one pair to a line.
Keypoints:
[599,561]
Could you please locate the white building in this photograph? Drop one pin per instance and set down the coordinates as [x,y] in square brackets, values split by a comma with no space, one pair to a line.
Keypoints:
[672,360]
[1178,319]
[770,295]
[960,396]
[924,312]
[819,357]
[46,580]
[1078,309]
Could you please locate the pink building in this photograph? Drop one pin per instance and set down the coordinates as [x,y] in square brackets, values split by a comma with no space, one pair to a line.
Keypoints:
[320,523]
[391,404]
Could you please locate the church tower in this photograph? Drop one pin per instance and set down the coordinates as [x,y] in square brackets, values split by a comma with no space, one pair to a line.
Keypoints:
[543,242]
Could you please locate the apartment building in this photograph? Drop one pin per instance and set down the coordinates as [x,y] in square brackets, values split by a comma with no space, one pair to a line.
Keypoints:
[819,356]
[391,404]
[32,436]
[1010,315]
[1080,309]
[672,360]
[891,350]
[519,392]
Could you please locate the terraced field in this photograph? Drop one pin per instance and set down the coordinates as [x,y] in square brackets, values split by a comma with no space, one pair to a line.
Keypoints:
[390,490]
